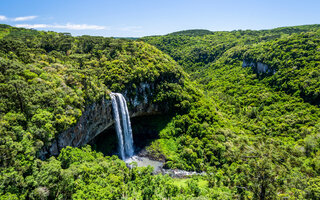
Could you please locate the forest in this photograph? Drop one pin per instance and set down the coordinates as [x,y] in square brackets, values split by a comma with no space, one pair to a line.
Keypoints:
[243,107]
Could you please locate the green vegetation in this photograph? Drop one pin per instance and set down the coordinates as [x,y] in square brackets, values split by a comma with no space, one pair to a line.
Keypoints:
[47,79]
[256,135]
[194,50]
[85,174]
[296,60]
[194,32]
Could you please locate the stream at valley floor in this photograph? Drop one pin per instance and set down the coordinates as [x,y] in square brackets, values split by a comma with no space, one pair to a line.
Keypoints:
[144,161]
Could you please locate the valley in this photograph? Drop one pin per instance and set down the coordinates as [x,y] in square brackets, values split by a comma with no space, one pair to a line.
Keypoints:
[239,110]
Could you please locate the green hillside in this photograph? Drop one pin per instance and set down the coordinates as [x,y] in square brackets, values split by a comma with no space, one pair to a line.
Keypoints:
[46,81]
[272,118]
[195,51]
[193,32]
[255,133]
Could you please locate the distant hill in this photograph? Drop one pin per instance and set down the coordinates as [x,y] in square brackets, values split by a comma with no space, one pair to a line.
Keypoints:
[284,30]
[244,108]
[193,49]
[267,83]
[192,32]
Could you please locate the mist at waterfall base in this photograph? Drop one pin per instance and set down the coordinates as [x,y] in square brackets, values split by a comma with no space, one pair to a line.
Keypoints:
[124,134]
[147,126]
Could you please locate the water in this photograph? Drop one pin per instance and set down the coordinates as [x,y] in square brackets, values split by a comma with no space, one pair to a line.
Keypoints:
[158,167]
[144,162]
[125,141]
[122,125]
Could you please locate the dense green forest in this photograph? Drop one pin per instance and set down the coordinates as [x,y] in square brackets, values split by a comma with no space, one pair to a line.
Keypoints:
[255,134]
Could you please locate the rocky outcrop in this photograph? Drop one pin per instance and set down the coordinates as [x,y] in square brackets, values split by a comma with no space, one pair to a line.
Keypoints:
[98,116]
[258,67]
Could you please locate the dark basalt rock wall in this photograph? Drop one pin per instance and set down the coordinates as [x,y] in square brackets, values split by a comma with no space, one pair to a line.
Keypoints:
[98,117]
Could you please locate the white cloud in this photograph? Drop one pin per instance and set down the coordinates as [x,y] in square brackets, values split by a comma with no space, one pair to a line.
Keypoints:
[3,18]
[66,26]
[32,25]
[25,18]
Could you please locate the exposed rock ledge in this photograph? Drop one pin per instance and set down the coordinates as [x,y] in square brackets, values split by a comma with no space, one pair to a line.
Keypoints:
[258,67]
[98,117]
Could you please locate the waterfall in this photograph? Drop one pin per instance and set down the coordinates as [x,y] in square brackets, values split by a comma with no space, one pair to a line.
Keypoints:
[122,125]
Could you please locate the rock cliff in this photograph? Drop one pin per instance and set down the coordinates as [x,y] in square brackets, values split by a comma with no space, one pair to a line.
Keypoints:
[98,116]
[259,68]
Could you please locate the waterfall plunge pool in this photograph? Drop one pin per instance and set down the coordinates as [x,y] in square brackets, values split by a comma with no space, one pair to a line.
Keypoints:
[126,149]
[145,130]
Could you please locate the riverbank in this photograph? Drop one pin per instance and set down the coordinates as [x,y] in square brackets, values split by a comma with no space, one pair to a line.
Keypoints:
[141,160]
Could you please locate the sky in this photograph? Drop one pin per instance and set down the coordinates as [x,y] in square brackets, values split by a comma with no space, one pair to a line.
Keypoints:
[137,18]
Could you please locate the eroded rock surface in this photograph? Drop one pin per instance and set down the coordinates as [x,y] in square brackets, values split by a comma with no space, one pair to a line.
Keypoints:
[98,117]
[258,67]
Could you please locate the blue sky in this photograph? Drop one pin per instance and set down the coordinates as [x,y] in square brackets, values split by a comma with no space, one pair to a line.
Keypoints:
[123,18]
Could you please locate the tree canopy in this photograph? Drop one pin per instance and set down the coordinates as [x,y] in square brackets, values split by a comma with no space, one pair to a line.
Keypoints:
[255,134]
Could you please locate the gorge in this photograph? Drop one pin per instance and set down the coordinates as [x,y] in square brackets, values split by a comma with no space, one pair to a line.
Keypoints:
[98,117]
[196,103]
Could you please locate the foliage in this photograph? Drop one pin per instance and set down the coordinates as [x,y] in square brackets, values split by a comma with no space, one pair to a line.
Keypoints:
[255,134]
[253,131]
[46,81]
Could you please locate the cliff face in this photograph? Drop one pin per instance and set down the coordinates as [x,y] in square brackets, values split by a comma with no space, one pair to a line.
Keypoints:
[99,116]
[258,67]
